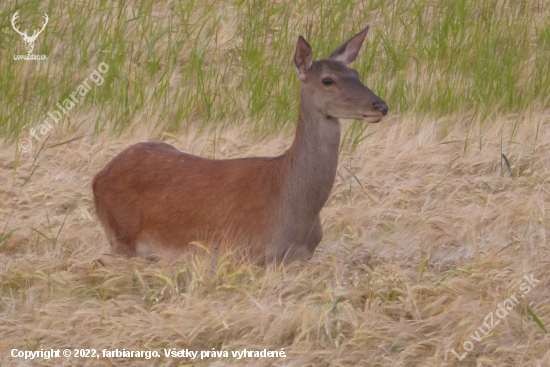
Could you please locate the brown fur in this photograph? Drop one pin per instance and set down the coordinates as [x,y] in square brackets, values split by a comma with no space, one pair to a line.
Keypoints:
[152,198]
[183,197]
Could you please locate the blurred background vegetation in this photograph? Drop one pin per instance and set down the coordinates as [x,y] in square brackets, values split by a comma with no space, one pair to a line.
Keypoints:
[216,63]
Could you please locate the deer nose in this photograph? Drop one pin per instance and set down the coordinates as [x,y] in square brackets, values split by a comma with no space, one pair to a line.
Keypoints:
[381,107]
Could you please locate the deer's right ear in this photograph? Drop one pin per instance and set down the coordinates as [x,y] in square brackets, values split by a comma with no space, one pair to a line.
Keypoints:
[302,58]
[348,51]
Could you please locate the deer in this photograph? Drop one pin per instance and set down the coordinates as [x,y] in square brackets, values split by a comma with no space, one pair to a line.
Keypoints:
[153,199]
[29,40]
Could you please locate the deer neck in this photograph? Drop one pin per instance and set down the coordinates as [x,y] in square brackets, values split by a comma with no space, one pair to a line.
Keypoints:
[311,161]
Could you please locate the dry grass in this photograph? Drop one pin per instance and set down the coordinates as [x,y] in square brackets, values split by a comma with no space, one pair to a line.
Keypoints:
[409,266]
[413,258]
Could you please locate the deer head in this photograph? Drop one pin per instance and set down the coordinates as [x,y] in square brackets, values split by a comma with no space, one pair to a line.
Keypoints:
[334,89]
[29,41]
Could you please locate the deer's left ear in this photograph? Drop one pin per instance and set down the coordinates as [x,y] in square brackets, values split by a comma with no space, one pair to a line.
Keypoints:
[302,58]
[348,51]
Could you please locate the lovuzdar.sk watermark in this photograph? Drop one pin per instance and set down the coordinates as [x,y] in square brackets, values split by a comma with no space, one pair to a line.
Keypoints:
[501,313]
[29,40]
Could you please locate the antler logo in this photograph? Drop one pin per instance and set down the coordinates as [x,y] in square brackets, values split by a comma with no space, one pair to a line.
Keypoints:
[29,41]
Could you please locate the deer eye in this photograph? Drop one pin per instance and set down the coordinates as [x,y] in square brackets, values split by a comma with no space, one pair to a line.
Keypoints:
[327,81]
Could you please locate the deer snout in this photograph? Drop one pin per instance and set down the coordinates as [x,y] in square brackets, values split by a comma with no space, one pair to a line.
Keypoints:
[381,107]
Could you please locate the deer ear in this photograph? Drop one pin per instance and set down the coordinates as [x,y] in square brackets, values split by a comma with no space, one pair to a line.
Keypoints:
[302,58]
[348,51]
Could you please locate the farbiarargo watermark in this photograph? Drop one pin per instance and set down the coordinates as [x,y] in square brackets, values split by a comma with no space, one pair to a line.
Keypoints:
[501,313]
[64,107]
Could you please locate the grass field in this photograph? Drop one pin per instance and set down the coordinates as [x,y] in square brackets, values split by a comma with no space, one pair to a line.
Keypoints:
[444,215]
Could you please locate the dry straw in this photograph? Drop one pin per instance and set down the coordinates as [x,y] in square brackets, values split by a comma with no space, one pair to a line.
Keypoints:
[430,243]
